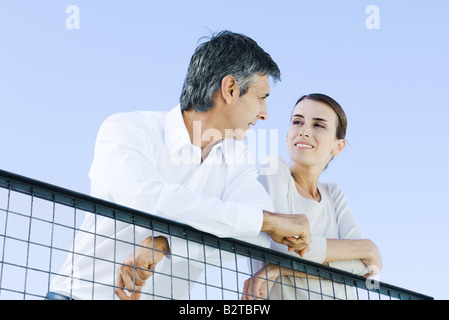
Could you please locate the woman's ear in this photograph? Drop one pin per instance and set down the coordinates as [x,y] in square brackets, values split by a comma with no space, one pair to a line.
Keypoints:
[229,89]
[339,147]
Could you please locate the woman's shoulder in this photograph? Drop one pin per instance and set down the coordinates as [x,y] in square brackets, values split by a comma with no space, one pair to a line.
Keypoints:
[332,189]
[275,177]
[274,172]
[331,186]
[273,165]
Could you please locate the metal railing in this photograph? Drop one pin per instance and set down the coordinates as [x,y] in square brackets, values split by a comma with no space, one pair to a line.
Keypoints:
[39,223]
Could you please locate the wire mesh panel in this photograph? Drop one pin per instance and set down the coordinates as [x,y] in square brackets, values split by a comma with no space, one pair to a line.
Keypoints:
[46,245]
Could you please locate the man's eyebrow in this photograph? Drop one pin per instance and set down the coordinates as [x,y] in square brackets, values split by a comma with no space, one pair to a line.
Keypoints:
[301,116]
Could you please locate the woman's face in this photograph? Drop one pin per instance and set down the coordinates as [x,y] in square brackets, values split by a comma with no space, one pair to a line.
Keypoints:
[311,138]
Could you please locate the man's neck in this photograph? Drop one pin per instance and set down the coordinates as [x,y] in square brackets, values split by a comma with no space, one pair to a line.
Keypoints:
[200,126]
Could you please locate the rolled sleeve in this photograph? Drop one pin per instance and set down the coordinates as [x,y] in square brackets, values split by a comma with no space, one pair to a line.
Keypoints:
[352,266]
[317,251]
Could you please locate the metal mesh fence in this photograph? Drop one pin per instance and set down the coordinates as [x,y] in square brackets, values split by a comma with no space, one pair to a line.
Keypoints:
[41,224]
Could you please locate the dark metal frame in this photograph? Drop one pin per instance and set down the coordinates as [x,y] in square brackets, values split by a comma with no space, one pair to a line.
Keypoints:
[58,195]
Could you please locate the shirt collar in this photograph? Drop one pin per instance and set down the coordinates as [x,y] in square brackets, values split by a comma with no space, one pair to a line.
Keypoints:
[176,135]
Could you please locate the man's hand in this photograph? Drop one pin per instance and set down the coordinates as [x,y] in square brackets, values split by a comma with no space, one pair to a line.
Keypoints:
[296,244]
[139,266]
[281,227]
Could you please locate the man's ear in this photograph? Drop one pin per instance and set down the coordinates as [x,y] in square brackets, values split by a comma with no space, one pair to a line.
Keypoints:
[229,89]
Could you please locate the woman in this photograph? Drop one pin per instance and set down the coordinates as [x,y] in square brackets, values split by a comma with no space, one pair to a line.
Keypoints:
[316,135]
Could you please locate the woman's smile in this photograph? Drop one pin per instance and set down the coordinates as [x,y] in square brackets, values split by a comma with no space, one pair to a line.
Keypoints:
[303,145]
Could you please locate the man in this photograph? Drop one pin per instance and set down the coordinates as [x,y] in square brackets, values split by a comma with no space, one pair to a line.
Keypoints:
[189,165]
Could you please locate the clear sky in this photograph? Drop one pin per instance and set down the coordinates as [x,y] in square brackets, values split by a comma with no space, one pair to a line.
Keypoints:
[387,65]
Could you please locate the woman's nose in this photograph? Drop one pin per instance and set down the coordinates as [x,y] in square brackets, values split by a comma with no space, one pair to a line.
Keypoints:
[304,132]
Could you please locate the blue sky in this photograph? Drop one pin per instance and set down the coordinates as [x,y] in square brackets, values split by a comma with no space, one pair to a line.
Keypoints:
[57,85]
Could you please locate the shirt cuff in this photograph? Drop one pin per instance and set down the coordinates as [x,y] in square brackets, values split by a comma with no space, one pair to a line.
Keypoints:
[317,251]
[248,222]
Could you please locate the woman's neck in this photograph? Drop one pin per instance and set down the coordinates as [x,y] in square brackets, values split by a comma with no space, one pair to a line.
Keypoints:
[306,180]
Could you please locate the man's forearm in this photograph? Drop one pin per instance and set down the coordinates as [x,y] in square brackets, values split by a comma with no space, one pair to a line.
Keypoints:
[281,227]
[268,222]
[286,225]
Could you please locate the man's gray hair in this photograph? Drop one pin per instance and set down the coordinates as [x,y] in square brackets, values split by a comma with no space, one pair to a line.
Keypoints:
[225,54]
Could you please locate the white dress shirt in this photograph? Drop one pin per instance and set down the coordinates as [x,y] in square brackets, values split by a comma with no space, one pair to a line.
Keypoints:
[144,160]
[329,218]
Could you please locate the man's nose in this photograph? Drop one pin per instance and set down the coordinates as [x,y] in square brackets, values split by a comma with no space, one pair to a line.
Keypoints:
[263,114]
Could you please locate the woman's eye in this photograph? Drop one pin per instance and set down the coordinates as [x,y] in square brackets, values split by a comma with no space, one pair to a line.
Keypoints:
[296,122]
[318,125]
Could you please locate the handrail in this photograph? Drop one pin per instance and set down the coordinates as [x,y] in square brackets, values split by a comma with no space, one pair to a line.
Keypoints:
[37,189]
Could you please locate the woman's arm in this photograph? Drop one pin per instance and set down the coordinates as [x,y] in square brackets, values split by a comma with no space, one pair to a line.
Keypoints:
[258,286]
[346,254]
[350,248]
[355,249]
[349,252]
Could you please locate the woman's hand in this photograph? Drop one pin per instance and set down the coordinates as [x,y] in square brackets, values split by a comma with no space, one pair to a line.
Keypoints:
[258,286]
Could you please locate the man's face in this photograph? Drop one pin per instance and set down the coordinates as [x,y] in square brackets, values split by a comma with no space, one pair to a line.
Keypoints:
[249,108]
